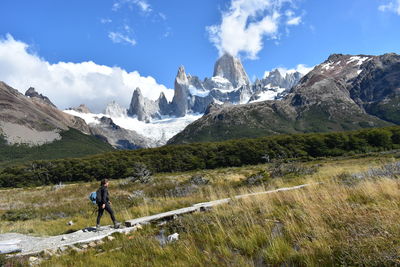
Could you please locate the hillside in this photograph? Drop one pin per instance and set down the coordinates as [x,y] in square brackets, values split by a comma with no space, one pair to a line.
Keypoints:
[73,144]
[343,93]
[33,128]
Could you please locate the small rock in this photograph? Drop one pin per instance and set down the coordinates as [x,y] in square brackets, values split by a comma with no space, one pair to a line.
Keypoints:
[70,223]
[33,259]
[100,242]
[138,227]
[92,244]
[78,250]
[173,237]
[110,238]
[48,253]
[85,246]
[64,238]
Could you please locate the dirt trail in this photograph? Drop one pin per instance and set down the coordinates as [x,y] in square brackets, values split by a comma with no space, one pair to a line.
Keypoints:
[30,245]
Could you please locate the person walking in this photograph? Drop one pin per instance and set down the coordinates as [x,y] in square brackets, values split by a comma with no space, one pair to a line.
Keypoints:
[104,203]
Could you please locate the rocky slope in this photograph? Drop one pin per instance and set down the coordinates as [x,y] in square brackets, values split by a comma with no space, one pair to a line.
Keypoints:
[116,136]
[344,92]
[103,127]
[33,119]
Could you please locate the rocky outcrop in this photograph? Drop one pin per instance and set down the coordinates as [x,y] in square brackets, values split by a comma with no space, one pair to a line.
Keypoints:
[31,92]
[231,68]
[115,110]
[275,85]
[343,93]
[118,137]
[145,109]
[82,108]
[180,101]
[163,105]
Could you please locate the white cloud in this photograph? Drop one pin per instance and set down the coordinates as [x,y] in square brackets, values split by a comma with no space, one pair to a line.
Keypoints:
[302,68]
[142,4]
[70,84]
[294,21]
[117,37]
[393,6]
[246,23]
[105,20]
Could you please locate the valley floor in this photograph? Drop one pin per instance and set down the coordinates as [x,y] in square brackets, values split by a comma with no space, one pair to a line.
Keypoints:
[348,219]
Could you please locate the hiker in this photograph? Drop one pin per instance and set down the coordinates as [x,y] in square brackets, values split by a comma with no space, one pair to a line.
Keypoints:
[104,203]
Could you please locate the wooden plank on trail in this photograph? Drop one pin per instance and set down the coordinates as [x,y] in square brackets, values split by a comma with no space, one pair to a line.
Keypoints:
[160,216]
[202,206]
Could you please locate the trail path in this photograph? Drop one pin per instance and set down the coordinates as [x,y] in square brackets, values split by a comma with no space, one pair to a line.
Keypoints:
[30,245]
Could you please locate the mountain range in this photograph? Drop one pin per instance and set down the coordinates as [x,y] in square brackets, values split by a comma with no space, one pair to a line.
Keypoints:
[148,123]
[345,92]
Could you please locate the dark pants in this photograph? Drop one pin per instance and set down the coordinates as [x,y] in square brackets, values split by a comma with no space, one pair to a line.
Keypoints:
[101,211]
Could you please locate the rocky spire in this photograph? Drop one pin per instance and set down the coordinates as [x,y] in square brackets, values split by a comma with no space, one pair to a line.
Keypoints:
[136,106]
[32,93]
[180,100]
[142,107]
[164,106]
[115,110]
[231,68]
[82,109]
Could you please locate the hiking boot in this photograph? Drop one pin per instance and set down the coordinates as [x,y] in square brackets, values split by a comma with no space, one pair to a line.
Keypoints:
[117,225]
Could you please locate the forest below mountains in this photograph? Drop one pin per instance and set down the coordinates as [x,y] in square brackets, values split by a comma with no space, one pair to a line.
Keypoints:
[176,158]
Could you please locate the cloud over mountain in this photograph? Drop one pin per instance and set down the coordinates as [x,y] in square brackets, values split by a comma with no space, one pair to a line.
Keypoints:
[70,84]
[247,22]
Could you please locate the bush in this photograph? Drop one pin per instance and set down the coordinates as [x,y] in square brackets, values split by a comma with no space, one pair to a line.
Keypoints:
[257,179]
[18,215]
[291,169]
[140,173]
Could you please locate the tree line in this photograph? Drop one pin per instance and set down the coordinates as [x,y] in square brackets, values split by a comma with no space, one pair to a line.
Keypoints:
[176,158]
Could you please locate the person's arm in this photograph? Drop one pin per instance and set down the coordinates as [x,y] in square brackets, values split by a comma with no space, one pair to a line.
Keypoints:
[104,194]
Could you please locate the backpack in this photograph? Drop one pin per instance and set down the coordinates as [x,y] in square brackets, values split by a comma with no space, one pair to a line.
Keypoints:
[95,197]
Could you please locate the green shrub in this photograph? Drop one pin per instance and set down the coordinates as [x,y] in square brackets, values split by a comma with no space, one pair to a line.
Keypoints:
[178,158]
[18,215]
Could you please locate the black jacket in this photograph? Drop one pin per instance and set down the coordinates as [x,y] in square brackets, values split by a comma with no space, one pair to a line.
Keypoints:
[104,195]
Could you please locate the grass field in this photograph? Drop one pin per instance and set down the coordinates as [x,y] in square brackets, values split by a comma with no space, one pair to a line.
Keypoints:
[343,221]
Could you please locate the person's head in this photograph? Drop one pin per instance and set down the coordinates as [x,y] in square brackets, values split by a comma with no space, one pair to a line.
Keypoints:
[104,183]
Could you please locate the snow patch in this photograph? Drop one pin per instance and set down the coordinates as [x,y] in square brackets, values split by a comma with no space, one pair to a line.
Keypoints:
[269,95]
[327,66]
[159,131]
[89,118]
[221,80]
[196,92]
[359,60]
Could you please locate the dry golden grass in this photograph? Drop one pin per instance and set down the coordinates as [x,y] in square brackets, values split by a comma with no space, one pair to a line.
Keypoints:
[328,224]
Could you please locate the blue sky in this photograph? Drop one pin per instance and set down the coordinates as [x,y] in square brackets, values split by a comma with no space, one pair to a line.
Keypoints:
[154,37]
